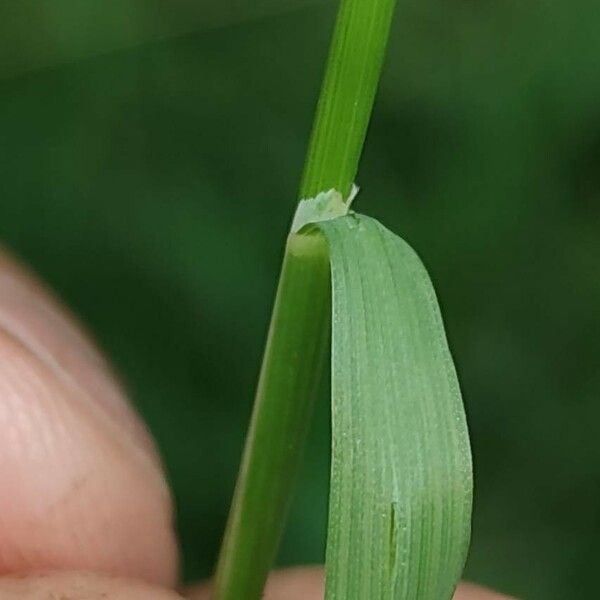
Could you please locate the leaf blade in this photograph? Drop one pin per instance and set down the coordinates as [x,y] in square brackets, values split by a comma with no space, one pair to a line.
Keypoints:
[401,482]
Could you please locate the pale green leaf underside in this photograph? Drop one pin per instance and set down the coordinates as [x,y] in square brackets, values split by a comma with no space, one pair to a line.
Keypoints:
[401,477]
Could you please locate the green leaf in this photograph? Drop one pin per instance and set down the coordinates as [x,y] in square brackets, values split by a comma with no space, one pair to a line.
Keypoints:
[401,478]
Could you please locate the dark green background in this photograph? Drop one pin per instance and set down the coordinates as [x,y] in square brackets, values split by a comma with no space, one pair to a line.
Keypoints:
[153,187]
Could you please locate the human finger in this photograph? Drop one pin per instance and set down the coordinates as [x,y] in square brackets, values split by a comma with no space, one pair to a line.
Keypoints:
[307,583]
[80,483]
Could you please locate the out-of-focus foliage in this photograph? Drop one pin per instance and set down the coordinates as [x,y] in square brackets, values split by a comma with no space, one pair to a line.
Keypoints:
[153,189]
[43,33]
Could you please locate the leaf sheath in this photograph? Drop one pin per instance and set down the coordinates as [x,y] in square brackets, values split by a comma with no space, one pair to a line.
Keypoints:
[291,370]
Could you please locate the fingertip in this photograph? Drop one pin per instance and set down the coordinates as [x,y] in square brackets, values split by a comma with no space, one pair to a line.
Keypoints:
[75,493]
[80,484]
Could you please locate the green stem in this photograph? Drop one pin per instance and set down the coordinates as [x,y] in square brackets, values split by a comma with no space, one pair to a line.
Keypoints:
[299,330]
[347,96]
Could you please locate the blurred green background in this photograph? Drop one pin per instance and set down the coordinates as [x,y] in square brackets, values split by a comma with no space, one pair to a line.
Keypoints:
[152,187]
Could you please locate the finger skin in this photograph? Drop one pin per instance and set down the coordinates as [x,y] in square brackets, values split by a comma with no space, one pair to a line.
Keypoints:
[468,591]
[307,583]
[33,315]
[78,586]
[293,584]
[81,487]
